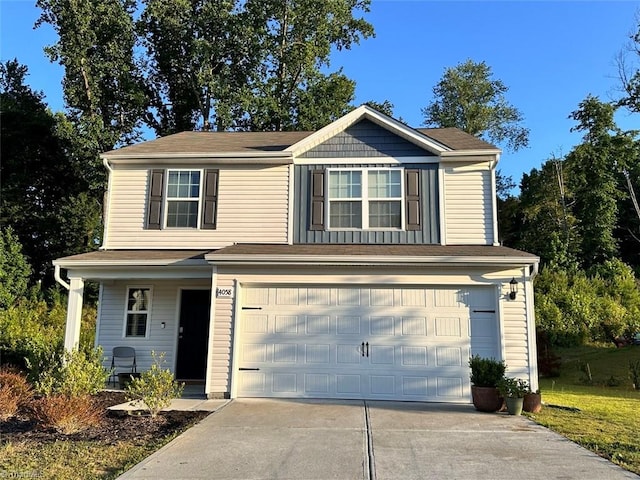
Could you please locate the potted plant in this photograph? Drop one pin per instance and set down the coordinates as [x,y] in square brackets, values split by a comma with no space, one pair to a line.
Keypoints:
[532,402]
[485,375]
[513,390]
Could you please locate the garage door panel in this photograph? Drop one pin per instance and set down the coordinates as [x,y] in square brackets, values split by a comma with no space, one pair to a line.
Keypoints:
[285,353]
[413,356]
[287,324]
[348,384]
[285,383]
[312,342]
[348,325]
[382,354]
[348,354]
[256,324]
[384,326]
[449,326]
[414,326]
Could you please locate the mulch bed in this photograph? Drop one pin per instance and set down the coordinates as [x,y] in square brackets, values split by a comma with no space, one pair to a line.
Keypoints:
[116,426]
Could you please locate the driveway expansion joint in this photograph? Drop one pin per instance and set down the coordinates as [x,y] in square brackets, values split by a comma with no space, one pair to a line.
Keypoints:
[371,460]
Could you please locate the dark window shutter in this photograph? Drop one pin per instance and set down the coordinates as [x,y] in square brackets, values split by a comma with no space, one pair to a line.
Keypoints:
[156,191]
[210,199]
[412,195]
[317,200]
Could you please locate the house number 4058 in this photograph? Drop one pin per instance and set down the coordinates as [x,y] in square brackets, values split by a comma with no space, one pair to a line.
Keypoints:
[224,292]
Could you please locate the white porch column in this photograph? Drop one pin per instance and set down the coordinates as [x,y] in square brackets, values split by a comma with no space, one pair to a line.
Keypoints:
[74,314]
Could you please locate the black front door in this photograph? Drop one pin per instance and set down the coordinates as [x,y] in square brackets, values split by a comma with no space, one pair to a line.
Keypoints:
[193,334]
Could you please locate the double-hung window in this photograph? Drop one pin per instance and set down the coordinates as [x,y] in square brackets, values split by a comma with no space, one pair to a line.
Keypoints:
[137,316]
[365,198]
[183,198]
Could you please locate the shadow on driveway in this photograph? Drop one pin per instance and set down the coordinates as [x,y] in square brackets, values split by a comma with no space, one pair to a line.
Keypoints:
[333,439]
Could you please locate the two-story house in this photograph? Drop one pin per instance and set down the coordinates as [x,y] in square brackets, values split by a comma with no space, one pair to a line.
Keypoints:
[358,261]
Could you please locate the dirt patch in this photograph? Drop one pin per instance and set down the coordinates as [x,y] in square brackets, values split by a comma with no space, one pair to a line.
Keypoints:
[115,426]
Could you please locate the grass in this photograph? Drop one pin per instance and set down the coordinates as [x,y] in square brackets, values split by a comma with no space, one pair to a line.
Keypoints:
[68,459]
[65,460]
[608,420]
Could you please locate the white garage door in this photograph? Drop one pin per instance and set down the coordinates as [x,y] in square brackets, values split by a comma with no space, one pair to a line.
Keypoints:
[362,342]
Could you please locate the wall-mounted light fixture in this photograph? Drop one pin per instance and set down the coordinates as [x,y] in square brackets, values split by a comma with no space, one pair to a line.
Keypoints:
[513,288]
[163,324]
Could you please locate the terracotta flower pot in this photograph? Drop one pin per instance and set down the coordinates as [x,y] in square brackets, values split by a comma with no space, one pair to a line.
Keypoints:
[486,399]
[532,402]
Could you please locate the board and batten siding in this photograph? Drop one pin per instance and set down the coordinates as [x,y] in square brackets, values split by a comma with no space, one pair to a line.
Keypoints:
[365,139]
[468,205]
[253,207]
[165,299]
[428,234]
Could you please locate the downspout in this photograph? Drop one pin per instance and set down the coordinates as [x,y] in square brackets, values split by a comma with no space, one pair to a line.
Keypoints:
[494,200]
[56,275]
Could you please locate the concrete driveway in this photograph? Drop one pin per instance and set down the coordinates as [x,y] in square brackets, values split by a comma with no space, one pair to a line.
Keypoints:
[307,439]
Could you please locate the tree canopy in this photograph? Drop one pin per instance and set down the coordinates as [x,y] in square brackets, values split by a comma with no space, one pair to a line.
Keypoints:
[469,98]
[48,197]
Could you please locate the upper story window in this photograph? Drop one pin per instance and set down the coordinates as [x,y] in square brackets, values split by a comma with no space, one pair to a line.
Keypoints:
[365,199]
[183,198]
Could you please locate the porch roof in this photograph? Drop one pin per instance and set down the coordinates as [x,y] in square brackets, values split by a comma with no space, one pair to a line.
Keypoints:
[304,253]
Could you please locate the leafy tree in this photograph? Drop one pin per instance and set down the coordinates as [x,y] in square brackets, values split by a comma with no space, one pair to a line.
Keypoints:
[297,38]
[629,71]
[594,168]
[548,225]
[43,177]
[14,269]
[385,107]
[101,85]
[467,97]
[249,65]
[200,54]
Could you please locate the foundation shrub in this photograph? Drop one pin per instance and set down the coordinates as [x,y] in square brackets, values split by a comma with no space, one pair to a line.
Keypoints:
[73,374]
[66,415]
[15,392]
[155,387]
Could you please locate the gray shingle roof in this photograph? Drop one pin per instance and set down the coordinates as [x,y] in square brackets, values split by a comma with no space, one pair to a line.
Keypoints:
[245,142]
[197,257]
[456,139]
[373,250]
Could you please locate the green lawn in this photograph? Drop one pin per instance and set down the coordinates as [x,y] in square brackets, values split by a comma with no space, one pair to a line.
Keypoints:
[608,420]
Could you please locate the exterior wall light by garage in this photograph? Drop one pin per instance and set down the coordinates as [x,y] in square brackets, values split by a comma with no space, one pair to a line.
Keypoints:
[513,288]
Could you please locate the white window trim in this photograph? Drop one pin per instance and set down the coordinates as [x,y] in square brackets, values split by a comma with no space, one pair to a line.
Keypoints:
[364,199]
[183,199]
[127,311]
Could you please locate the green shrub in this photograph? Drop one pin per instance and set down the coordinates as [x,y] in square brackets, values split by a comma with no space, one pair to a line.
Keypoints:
[15,392]
[513,387]
[155,388]
[73,374]
[14,268]
[634,373]
[65,414]
[486,372]
[30,332]
[573,308]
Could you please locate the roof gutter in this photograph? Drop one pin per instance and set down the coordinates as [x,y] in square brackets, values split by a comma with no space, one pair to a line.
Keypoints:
[56,275]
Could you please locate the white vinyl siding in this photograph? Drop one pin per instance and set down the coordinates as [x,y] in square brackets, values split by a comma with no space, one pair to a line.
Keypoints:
[253,206]
[164,301]
[468,206]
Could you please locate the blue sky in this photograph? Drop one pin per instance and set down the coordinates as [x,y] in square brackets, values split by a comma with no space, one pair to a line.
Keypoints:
[551,55]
